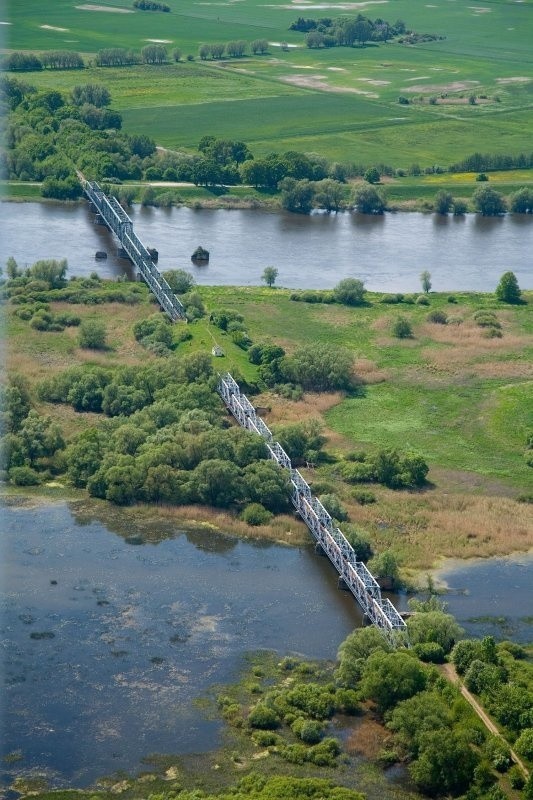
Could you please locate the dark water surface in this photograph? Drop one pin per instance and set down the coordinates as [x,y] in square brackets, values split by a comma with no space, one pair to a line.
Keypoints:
[106,642]
[388,253]
[109,631]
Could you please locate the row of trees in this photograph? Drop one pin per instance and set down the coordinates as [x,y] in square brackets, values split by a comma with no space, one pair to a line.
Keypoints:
[346,31]
[30,62]
[233,49]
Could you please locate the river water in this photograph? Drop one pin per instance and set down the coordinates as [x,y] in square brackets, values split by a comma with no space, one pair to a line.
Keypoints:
[387,253]
[109,632]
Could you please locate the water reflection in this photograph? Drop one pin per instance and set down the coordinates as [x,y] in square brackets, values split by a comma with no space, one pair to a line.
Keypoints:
[316,251]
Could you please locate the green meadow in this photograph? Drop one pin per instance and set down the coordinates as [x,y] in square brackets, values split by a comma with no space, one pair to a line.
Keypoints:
[339,102]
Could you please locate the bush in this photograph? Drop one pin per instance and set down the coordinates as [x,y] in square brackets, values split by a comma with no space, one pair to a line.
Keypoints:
[334,507]
[430,652]
[508,290]
[401,328]
[349,292]
[263,717]
[92,335]
[24,476]
[438,317]
[363,497]
[256,514]
[422,300]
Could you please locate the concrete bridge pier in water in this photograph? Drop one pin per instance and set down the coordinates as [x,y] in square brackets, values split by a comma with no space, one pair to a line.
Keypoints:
[354,576]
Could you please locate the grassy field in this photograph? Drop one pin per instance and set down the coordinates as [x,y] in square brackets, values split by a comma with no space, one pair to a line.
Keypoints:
[340,102]
[461,400]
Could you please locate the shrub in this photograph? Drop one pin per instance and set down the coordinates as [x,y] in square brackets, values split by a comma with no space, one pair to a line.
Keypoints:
[256,514]
[92,335]
[451,299]
[350,292]
[438,317]
[422,300]
[430,652]
[401,328]
[24,476]
[263,717]
[508,290]
[363,497]
[334,507]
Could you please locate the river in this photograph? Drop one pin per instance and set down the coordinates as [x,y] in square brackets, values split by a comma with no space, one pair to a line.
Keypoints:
[388,253]
[110,631]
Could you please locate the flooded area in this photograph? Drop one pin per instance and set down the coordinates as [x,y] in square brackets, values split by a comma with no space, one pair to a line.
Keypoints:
[388,253]
[111,632]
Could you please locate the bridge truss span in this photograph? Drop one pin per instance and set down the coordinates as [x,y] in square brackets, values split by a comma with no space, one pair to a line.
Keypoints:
[118,222]
[353,574]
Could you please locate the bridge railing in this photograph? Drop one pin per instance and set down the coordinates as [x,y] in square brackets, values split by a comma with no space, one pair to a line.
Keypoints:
[121,225]
[355,575]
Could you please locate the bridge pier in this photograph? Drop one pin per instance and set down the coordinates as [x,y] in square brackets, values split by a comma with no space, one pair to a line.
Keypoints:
[342,585]
[319,550]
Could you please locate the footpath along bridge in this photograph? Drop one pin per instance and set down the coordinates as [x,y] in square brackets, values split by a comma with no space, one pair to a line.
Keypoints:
[353,574]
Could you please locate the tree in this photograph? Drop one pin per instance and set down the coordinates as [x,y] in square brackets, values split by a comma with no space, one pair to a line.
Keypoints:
[521,202]
[154,54]
[434,626]
[349,292]
[508,290]
[372,175]
[93,93]
[524,744]
[385,565]
[445,765]
[334,507]
[425,279]
[217,483]
[12,268]
[51,271]
[179,280]
[269,276]
[259,46]
[390,677]
[320,367]
[297,195]
[488,202]
[443,202]
[368,200]
[92,335]
[330,194]
[268,484]
[354,652]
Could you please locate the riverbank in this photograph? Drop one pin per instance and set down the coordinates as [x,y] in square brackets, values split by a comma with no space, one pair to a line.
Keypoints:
[406,194]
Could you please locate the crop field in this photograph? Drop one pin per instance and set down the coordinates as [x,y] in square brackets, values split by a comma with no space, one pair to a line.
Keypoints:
[340,102]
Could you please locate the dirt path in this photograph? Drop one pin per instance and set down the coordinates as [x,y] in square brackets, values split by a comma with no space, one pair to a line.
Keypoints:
[451,674]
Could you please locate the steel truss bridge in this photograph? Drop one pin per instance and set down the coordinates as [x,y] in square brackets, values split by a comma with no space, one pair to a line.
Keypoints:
[118,222]
[353,574]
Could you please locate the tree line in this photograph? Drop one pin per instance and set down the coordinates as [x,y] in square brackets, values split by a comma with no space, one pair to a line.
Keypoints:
[350,31]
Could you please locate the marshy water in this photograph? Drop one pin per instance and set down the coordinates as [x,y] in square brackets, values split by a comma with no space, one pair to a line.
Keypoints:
[315,252]
[110,630]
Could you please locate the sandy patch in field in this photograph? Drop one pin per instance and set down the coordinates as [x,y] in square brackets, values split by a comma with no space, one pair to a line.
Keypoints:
[278,44]
[319,82]
[53,28]
[6,23]
[419,78]
[480,9]
[374,82]
[336,69]
[454,86]
[159,41]
[112,9]
[516,79]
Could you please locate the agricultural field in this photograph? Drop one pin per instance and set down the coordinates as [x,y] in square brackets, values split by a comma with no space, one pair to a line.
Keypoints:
[341,102]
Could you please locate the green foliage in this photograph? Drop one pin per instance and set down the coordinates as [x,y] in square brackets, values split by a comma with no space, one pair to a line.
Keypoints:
[179,280]
[388,678]
[349,292]
[263,717]
[269,276]
[401,328]
[443,203]
[361,546]
[498,753]
[301,439]
[334,507]
[445,764]
[438,317]
[368,200]
[93,335]
[488,202]
[397,470]
[436,627]
[416,716]
[425,277]
[256,514]
[372,175]
[430,652]
[320,367]
[15,403]
[354,652]
[50,271]
[521,201]
[24,476]
[508,290]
